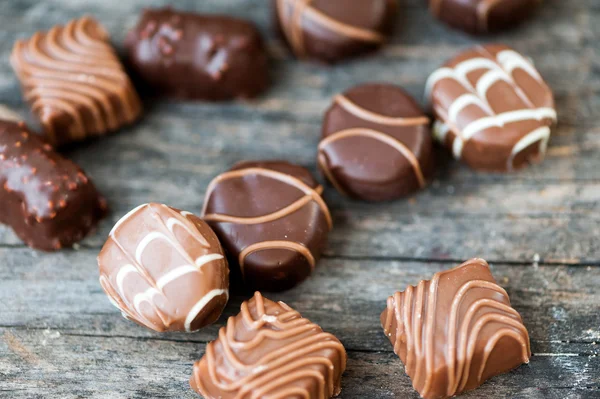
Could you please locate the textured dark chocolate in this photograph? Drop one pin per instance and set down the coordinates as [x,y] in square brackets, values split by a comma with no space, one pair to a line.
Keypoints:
[48,200]
[198,57]
[271,220]
[493,108]
[165,269]
[75,82]
[270,351]
[376,143]
[332,30]
[482,16]
[455,331]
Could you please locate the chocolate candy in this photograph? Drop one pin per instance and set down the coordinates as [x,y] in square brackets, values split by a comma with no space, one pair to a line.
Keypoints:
[270,351]
[48,200]
[494,110]
[200,57]
[455,331]
[331,30]
[165,269]
[376,143]
[482,16]
[74,81]
[271,220]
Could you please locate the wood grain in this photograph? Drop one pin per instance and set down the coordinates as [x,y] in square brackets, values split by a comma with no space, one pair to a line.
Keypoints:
[60,337]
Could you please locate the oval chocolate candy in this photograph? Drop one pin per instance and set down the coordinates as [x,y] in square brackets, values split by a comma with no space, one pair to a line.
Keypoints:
[272,221]
[376,143]
[164,269]
[493,108]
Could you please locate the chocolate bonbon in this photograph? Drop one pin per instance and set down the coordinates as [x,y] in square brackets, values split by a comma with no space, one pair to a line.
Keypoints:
[201,57]
[455,331]
[271,219]
[493,108]
[270,351]
[482,16]
[376,143]
[332,30]
[165,269]
[47,200]
[74,82]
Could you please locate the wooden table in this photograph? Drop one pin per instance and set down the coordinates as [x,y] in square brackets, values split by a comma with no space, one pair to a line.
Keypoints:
[539,228]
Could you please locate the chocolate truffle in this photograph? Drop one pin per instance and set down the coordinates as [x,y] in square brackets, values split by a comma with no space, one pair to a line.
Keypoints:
[376,143]
[270,351]
[47,200]
[482,16]
[165,269]
[272,221]
[455,331]
[74,81]
[198,57]
[493,109]
[332,30]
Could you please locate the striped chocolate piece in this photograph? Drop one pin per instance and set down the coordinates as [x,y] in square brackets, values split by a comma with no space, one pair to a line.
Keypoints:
[74,82]
[483,16]
[376,143]
[493,108]
[270,351]
[271,220]
[164,269]
[47,199]
[455,331]
[332,30]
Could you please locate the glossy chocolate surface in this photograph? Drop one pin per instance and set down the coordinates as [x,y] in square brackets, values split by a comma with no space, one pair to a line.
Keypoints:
[270,351]
[198,57]
[483,16]
[332,30]
[455,331]
[165,269]
[48,200]
[75,82]
[493,108]
[376,143]
[271,220]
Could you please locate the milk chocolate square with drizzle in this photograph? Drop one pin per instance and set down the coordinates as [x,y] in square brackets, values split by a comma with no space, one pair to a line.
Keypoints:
[493,108]
[270,351]
[75,82]
[455,331]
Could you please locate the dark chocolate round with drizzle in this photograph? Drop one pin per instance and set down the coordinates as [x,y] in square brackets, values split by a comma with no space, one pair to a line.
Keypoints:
[376,143]
[482,16]
[331,30]
[271,220]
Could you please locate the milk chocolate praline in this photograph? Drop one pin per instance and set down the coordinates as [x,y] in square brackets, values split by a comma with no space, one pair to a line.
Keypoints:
[48,200]
[482,16]
[197,57]
[332,30]
[270,351]
[271,220]
[376,143]
[455,331]
[165,269]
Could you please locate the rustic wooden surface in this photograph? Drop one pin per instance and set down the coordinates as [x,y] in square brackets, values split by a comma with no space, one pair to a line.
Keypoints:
[540,229]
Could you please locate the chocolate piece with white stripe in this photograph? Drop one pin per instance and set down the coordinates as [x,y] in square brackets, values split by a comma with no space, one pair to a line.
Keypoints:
[494,109]
[376,143]
[165,269]
[332,30]
[271,220]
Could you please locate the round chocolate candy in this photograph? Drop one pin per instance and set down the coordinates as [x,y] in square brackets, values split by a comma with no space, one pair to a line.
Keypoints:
[376,143]
[493,109]
[482,16]
[331,30]
[271,220]
[165,269]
